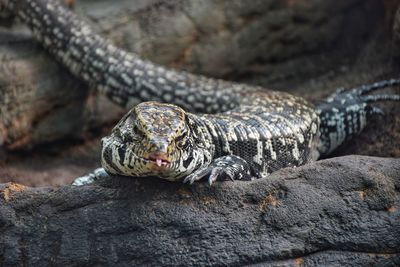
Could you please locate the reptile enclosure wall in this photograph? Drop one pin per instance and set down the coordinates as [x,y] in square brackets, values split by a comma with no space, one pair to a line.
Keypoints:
[341,211]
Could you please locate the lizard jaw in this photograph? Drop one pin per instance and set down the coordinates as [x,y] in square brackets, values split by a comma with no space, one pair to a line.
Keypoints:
[159,159]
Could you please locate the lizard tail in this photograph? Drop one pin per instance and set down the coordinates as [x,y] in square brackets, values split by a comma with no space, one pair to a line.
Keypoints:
[345,113]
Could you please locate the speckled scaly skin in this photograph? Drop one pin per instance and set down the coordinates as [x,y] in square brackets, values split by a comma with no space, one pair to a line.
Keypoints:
[210,127]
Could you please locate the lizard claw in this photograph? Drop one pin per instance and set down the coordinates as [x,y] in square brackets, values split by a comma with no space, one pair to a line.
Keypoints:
[91,177]
[197,175]
[223,168]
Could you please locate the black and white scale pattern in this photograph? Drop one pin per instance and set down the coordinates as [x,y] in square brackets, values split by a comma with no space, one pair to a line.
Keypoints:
[210,127]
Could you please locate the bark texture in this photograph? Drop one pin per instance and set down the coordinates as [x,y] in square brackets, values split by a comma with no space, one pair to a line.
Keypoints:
[334,212]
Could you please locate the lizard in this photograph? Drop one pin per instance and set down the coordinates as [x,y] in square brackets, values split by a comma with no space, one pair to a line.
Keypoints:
[183,126]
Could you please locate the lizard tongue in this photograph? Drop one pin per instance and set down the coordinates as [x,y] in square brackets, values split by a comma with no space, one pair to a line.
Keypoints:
[159,162]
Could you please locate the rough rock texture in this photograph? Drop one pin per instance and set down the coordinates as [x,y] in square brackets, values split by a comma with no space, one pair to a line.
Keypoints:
[334,212]
[280,42]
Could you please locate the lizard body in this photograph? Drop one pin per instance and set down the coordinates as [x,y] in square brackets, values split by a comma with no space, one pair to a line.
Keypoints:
[194,126]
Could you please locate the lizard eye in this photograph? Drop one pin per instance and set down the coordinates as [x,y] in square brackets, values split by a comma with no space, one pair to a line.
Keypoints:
[182,141]
[135,135]
[128,136]
[182,144]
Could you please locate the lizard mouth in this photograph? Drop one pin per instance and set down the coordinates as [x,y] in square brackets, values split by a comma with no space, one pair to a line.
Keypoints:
[159,159]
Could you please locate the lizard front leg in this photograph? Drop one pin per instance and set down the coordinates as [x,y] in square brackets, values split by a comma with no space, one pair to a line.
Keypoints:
[91,177]
[228,167]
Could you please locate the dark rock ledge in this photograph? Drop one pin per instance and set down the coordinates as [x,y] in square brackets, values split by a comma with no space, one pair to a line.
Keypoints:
[337,212]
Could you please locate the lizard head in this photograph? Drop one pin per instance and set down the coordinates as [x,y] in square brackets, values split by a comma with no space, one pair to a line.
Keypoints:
[152,139]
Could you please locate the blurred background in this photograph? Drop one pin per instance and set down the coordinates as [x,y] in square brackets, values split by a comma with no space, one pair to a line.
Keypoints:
[51,123]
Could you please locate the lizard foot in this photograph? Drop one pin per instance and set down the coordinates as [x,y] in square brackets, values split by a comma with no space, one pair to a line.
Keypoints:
[91,177]
[224,168]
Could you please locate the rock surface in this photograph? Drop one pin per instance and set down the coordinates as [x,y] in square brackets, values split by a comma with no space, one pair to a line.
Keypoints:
[335,212]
